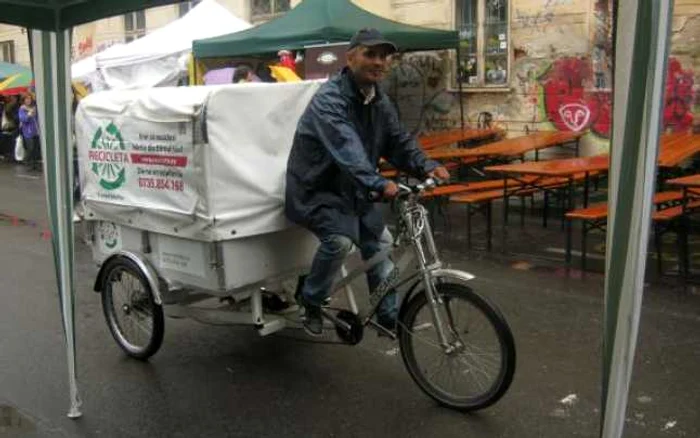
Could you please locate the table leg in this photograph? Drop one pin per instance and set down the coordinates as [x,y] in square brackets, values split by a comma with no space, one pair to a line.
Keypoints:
[505,213]
[586,181]
[570,206]
[685,226]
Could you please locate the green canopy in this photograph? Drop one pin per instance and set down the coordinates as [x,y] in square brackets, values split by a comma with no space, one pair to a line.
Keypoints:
[57,15]
[318,22]
[50,23]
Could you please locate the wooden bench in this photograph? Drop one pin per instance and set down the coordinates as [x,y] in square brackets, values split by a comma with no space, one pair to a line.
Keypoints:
[668,207]
[475,186]
[484,199]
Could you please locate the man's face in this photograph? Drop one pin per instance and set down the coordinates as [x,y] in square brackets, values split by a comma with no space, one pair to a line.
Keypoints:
[369,64]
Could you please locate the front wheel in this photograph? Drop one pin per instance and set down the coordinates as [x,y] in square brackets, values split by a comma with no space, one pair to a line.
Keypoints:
[475,369]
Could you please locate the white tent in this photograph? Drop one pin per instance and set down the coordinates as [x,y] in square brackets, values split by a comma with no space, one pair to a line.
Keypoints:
[160,57]
[86,71]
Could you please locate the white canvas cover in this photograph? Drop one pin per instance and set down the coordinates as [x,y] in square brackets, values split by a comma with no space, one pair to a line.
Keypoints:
[159,58]
[204,163]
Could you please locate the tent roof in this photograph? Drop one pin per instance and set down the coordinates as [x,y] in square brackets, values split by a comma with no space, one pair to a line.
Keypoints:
[318,22]
[207,19]
[56,15]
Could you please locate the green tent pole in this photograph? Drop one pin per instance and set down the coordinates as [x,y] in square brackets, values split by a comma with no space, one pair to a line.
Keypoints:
[640,71]
[51,60]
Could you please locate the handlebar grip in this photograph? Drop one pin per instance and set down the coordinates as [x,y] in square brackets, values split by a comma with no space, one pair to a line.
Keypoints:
[374,196]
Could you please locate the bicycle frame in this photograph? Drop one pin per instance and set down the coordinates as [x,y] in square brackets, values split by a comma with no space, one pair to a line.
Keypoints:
[414,230]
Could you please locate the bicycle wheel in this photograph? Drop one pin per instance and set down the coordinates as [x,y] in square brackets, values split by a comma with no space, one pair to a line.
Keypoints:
[133,317]
[479,369]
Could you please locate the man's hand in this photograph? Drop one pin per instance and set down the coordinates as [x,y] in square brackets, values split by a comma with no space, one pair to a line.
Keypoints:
[390,190]
[440,173]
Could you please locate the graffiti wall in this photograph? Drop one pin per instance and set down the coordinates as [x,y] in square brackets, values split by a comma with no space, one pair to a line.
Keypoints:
[418,84]
[560,75]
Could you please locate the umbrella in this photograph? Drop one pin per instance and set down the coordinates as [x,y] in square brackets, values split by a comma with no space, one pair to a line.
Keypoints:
[17,83]
[8,69]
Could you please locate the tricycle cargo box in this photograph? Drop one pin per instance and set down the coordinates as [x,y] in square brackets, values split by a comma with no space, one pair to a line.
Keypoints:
[205,164]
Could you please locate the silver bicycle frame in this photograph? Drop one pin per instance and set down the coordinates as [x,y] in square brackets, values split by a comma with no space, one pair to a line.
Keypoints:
[413,226]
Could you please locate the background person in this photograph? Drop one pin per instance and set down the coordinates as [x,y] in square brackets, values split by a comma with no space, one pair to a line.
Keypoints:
[9,126]
[29,125]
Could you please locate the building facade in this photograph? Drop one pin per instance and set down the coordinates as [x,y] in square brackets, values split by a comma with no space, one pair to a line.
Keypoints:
[530,64]
[534,65]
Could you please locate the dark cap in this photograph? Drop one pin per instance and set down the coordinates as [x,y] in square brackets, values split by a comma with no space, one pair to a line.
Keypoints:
[370,37]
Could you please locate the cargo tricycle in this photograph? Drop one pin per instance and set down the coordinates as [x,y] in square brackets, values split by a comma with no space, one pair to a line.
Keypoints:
[182,202]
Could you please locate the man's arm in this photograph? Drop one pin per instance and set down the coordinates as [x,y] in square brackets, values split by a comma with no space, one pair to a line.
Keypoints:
[403,151]
[328,121]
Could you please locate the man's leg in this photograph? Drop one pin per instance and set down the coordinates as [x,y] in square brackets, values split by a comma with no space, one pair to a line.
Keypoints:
[387,312]
[324,269]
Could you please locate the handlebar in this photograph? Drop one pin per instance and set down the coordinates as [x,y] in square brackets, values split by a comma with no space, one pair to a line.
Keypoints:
[408,189]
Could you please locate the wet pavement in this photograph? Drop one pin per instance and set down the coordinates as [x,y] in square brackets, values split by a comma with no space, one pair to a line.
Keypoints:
[213,381]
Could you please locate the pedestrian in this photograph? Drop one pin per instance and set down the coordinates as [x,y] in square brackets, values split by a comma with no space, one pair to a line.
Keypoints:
[348,125]
[9,126]
[29,126]
[242,74]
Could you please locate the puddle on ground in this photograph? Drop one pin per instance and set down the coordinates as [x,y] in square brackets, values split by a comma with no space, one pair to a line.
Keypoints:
[13,423]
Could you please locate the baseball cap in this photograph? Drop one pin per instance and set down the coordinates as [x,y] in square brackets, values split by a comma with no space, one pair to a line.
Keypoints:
[370,37]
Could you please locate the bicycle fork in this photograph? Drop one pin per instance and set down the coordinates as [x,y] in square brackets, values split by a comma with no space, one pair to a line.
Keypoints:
[426,267]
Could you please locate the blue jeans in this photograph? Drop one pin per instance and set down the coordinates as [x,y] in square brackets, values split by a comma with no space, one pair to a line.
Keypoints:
[329,260]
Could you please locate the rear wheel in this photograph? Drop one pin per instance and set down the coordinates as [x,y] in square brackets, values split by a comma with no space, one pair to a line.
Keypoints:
[476,368]
[133,317]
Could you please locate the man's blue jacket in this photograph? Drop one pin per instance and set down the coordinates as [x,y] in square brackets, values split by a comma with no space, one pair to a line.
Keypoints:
[333,163]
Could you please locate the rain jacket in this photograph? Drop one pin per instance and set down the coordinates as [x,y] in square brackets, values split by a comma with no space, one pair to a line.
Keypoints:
[332,167]
[28,124]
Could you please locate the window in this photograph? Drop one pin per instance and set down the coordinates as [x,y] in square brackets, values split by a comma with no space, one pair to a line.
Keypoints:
[484,28]
[185,7]
[261,10]
[8,51]
[134,25]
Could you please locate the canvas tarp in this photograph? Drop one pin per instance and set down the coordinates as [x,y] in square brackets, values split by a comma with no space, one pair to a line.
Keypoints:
[318,22]
[203,163]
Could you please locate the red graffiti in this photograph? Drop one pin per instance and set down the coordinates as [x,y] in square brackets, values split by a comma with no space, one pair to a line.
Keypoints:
[570,101]
[679,97]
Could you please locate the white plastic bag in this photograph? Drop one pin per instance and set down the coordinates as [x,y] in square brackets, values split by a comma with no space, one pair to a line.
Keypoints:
[20,151]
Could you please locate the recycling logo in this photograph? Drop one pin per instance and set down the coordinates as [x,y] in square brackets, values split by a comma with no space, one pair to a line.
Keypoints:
[109,157]
[109,235]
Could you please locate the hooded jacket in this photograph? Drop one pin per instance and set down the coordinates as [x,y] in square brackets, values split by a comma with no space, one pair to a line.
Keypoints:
[333,163]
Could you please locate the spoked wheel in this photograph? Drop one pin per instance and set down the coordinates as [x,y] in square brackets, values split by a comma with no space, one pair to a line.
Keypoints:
[133,317]
[476,368]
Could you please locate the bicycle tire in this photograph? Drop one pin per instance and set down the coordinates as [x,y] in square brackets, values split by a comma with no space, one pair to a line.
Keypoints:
[506,347]
[146,304]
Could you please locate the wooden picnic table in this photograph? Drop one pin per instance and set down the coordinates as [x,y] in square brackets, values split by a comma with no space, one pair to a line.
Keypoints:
[545,175]
[445,138]
[686,182]
[674,149]
[510,148]
[691,192]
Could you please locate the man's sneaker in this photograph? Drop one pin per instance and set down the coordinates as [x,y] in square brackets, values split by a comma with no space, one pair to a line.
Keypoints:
[388,323]
[312,318]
